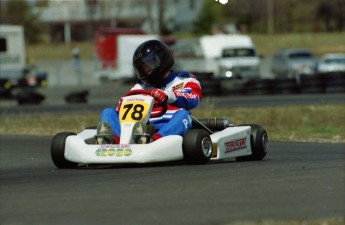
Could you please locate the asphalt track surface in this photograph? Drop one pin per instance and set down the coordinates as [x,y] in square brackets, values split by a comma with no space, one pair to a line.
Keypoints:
[295,181]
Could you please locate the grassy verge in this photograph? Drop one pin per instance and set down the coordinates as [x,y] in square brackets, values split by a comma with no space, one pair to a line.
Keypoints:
[332,221]
[321,123]
[318,43]
[46,51]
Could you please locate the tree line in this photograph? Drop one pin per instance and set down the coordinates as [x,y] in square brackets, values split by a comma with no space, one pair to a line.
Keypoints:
[255,16]
[284,16]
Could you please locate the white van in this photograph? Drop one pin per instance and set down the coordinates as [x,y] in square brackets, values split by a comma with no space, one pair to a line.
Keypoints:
[12,52]
[14,71]
[225,55]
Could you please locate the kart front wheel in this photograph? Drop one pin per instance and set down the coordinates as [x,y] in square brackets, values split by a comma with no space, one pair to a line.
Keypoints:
[197,146]
[57,151]
[258,142]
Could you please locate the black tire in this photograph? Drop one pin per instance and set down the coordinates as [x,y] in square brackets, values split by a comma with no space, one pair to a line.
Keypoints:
[310,84]
[259,87]
[197,146]
[211,87]
[57,151]
[285,86]
[203,75]
[234,86]
[335,82]
[258,142]
[29,97]
[77,97]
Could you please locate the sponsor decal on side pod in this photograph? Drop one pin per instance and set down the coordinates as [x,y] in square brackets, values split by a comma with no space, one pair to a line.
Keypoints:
[236,144]
[113,152]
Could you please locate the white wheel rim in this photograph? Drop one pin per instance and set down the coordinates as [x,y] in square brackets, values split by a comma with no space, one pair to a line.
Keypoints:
[206,146]
[264,141]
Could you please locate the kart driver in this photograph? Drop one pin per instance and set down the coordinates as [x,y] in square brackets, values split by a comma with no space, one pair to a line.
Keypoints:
[153,62]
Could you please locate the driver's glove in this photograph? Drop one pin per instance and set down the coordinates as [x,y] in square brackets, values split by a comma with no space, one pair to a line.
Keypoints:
[159,95]
[119,105]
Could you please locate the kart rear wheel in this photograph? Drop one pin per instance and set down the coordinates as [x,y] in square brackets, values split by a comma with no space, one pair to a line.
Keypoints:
[258,142]
[57,151]
[197,146]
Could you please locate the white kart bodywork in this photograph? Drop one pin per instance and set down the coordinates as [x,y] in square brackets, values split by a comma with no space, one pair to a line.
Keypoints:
[228,143]
[164,149]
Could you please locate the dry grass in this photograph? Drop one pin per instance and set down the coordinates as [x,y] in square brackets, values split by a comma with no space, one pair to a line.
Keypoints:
[318,43]
[46,124]
[332,221]
[321,123]
[59,51]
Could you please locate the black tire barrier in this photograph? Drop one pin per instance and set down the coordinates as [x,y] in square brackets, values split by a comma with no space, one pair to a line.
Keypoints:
[29,97]
[209,85]
[259,87]
[6,93]
[332,82]
[77,97]
[203,75]
[233,86]
[285,86]
[311,84]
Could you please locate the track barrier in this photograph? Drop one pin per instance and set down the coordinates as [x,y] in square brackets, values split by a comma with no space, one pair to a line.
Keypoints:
[332,82]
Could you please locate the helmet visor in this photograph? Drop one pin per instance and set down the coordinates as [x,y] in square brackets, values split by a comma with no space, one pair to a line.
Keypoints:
[146,66]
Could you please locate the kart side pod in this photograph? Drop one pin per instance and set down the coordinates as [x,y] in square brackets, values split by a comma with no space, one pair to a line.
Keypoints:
[244,142]
[231,142]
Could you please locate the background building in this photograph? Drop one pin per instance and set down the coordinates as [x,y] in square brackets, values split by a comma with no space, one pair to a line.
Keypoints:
[76,20]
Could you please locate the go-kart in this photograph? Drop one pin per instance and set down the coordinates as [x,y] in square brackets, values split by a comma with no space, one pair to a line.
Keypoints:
[209,139]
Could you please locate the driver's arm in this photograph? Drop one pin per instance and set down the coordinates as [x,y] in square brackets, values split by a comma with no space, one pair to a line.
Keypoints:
[187,97]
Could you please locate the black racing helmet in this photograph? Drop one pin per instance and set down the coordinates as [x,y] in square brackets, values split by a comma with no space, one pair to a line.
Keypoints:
[151,61]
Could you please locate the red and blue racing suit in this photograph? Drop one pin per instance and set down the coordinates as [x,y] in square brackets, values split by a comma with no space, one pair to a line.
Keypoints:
[184,93]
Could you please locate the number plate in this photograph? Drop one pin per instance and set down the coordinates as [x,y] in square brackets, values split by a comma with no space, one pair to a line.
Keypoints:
[133,111]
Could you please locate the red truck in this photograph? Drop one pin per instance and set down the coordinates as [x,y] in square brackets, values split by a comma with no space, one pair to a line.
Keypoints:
[114,48]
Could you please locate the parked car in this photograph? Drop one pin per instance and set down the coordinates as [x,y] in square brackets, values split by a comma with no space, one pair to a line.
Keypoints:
[224,55]
[332,62]
[293,62]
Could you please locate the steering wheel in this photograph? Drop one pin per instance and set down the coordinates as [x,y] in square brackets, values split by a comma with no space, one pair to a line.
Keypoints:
[160,107]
